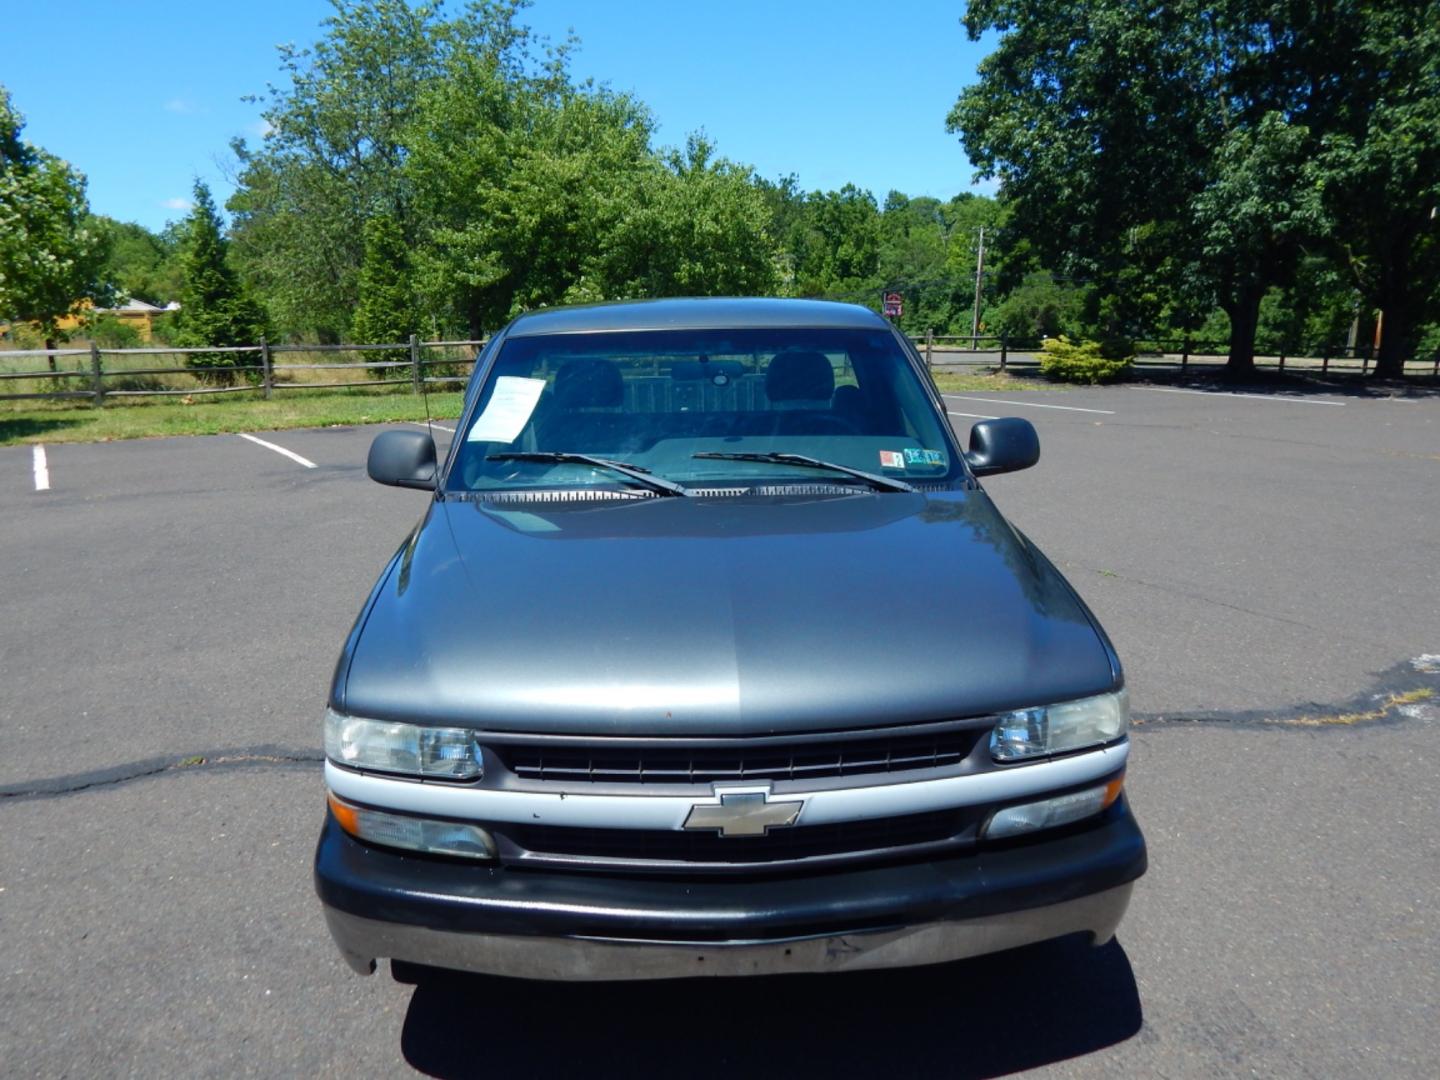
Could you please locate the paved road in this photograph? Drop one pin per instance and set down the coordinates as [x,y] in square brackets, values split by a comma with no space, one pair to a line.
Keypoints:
[1259,561]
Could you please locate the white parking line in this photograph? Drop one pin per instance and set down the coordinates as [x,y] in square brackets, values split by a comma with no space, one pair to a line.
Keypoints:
[42,470]
[279,450]
[1028,404]
[971,415]
[442,427]
[1237,393]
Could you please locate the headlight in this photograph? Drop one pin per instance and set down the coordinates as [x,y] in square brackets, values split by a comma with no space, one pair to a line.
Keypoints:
[1054,729]
[413,749]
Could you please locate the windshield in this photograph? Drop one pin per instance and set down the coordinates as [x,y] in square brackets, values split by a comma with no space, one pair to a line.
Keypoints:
[654,400]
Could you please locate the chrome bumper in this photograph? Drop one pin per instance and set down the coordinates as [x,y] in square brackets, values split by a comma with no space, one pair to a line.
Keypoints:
[362,941]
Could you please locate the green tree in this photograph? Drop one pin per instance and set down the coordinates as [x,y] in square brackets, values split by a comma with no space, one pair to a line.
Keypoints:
[912,259]
[1039,307]
[785,204]
[689,225]
[52,257]
[845,254]
[517,178]
[142,264]
[1149,147]
[1369,73]
[966,216]
[1314,313]
[111,333]
[386,312]
[336,154]
[215,308]
[842,246]
[1181,155]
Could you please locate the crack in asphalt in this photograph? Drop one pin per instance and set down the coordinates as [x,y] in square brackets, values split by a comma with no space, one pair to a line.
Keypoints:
[1406,692]
[1177,591]
[248,757]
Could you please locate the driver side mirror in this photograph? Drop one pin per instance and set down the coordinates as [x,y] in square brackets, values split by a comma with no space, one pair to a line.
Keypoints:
[403,459]
[999,446]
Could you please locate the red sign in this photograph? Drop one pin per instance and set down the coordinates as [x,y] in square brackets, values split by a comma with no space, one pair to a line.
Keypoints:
[894,305]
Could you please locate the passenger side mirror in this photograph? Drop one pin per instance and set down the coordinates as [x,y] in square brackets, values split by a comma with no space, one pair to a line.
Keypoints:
[999,446]
[403,459]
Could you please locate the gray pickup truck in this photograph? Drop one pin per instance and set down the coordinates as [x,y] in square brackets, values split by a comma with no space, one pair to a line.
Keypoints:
[711,656]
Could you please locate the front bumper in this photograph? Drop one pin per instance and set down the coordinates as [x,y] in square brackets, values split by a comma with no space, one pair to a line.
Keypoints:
[552,925]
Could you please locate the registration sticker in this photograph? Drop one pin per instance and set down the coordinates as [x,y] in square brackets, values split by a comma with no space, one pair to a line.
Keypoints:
[892,459]
[925,459]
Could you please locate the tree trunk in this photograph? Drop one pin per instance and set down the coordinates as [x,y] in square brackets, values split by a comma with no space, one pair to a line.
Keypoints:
[1400,296]
[51,344]
[474,316]
[1399,335]
[1244,312]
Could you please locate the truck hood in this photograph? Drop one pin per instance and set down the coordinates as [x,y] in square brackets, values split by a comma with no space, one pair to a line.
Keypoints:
[718,616]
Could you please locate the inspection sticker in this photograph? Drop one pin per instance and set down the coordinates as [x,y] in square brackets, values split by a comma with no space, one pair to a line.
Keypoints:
[892,459]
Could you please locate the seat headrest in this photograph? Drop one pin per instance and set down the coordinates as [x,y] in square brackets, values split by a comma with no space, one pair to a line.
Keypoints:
[799,375]
[589,384]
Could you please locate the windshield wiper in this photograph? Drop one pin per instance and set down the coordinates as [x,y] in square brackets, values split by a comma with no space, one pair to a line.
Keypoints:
[880,483]
[634,472]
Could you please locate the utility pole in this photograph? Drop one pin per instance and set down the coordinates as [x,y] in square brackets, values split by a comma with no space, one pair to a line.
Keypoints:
[979,272]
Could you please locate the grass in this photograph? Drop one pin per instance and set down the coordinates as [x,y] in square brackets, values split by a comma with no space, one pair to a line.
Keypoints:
[951,382]
[32,422]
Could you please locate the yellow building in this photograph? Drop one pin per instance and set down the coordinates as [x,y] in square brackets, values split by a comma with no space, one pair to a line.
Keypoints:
[136,313]
[133,313]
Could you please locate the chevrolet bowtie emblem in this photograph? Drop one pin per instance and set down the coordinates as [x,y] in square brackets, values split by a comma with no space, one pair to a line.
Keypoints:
[743,813]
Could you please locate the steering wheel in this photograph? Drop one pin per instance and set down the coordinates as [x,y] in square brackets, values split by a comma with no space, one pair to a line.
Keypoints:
[830,424]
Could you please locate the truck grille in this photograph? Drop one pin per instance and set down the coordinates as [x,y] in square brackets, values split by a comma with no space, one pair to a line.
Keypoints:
[760,760]
[851,838]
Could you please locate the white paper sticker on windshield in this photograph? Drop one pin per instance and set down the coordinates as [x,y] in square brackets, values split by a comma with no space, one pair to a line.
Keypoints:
[509,407]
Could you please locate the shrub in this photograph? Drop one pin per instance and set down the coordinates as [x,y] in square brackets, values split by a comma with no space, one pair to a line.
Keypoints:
[111,333]
[384,313]
[26,336]
[1081,361]
[215,308]
[163,330]
[1038,307]
[1429,345]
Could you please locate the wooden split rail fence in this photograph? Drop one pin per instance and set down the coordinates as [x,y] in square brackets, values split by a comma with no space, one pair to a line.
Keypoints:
[1004,352]
[264,375]
[96,381]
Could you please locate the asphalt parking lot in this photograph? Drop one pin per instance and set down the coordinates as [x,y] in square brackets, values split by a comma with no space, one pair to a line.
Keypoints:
[1268,566]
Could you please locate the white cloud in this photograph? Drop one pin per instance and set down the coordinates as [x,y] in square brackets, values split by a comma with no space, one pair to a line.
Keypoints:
[177,204]
[260,128]
[182,105]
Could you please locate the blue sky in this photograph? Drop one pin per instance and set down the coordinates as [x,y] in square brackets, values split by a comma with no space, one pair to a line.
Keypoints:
[144,96]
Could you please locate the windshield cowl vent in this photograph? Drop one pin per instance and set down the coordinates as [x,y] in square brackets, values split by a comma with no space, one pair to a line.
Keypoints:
[554,495]
[598,495]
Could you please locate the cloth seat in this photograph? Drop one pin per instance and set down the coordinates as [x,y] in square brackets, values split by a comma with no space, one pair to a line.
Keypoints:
[800,379]
[800,384]
[586,411]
